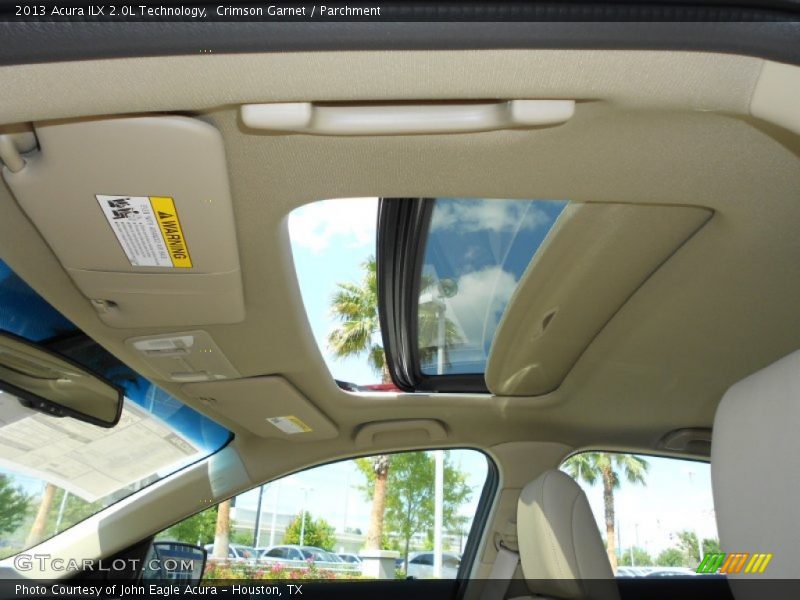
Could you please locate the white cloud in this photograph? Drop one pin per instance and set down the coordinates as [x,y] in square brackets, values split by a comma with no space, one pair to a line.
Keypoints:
[496,215]
[350,221]
[482,296]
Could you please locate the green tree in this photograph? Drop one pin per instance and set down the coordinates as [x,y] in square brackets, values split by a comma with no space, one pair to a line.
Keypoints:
[197,529]
[410,496]
[242,537]
[711,546]
[641,558]
[68,509]
[14,505]
[609,469]
[687,543]
[318,532]
[671,557]
[692,555]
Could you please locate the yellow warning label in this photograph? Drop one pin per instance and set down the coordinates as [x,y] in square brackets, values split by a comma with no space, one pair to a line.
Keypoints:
[298,423]
[290,424]
[167,218]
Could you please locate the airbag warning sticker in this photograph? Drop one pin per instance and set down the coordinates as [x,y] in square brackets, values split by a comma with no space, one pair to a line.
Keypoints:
[290,424]
[148,229]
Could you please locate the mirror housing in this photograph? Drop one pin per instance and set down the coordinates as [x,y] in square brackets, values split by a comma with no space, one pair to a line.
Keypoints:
[49,383]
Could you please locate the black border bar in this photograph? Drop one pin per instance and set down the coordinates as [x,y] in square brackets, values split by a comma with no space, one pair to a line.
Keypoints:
[769,31]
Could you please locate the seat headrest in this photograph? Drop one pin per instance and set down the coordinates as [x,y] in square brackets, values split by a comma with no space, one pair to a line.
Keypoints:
[560,549]
[755,462]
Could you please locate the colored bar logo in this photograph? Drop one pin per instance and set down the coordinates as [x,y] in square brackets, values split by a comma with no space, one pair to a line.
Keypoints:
[736,562]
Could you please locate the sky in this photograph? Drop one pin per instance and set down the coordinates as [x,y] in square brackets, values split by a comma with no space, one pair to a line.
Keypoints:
[330,240]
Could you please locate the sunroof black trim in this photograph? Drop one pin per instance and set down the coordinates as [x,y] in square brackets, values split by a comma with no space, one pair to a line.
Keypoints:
[402,234]
[400,221]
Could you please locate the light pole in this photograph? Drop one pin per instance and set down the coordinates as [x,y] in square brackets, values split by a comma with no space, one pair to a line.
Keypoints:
[61,508]
[691,475]
[257,528]
[274,513]
[438,455]
[303,515]
[438,512]
[446,288]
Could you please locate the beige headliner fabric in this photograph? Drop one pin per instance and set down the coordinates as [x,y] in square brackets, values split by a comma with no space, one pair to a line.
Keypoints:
[699,81]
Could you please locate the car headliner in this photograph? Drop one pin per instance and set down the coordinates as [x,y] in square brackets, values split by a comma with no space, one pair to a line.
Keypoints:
[650,128]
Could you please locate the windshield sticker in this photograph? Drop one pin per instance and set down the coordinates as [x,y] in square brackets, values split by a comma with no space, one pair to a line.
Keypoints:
[148,229]
[88,461]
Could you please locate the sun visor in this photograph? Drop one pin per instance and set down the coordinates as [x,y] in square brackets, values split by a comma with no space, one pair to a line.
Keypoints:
[138,210]
[269,407]
[593,259]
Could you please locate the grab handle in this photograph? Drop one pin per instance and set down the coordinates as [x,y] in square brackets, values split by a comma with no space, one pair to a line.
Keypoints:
[405,119]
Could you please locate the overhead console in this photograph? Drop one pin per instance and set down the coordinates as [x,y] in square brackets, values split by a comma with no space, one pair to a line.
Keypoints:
[592,260]
[138,210]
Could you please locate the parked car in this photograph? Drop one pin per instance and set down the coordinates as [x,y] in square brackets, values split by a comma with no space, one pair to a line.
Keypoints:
[670,572]
[236,551]
[625,571]
[292,553]
[347,557]
[420,565]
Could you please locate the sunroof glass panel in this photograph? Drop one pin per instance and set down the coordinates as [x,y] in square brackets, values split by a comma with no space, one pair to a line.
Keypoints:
[475,254]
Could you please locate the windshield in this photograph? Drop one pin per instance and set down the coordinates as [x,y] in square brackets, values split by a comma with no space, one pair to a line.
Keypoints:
[55,472]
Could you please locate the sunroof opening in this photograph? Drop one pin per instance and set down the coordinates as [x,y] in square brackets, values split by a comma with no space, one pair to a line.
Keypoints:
[333,245]
[475,254]
[470,255]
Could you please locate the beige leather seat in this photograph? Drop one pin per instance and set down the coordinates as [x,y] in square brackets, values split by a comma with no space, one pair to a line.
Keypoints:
[755,470]
[561,552]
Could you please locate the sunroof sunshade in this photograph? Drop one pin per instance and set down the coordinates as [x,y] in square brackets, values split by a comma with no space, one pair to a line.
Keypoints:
[475,253]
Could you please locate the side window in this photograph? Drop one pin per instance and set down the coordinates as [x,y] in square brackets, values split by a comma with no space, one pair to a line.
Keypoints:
[655,514]
[306,519]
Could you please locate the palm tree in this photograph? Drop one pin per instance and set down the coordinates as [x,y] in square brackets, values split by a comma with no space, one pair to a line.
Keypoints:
[380,466]
[591,466]
[37,532]
[355,305]
[222,531]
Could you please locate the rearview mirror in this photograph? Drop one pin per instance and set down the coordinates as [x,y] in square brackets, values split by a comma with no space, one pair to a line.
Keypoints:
[47,382]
